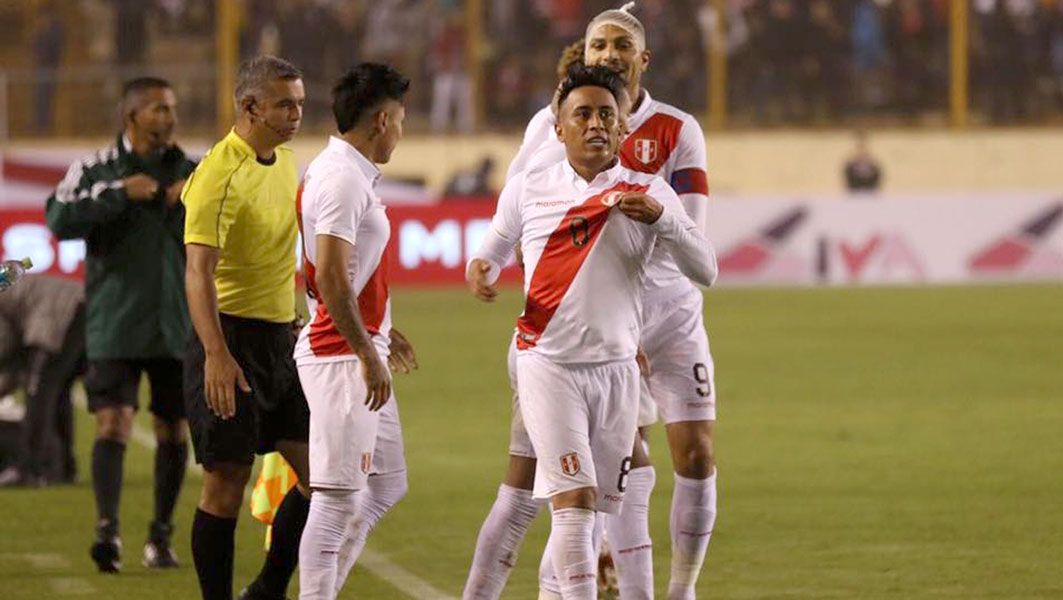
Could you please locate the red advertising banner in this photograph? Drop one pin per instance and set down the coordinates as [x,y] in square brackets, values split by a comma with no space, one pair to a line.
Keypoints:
[772,241]
[429,244]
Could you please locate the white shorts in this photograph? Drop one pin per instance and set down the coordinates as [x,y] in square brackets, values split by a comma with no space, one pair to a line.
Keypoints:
[582,423]
[647,407]
[348,442]
[681,380]
[519,442]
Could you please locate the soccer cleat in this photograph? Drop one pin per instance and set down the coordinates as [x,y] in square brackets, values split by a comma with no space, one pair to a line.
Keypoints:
[158,554]
[254,592]
[107,550]
[12,477]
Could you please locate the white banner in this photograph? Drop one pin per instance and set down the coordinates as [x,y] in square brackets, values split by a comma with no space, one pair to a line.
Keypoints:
[888,239]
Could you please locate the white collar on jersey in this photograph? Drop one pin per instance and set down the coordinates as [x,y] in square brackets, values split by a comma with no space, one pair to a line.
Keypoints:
[644,109]
[372,174]
[603,179]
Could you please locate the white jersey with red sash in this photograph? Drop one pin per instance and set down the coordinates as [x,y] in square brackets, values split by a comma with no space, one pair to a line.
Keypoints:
[584,261]
[337,198]
[663,141]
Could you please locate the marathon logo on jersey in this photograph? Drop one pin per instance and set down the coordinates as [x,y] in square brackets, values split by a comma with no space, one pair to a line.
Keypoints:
[570,464]
[367,462]
[646,150]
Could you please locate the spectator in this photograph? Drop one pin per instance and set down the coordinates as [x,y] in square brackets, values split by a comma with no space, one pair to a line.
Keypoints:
[43,350]
[131,31]
[869,53]
[48,41]
[472,182]
[862,171]
[451,86]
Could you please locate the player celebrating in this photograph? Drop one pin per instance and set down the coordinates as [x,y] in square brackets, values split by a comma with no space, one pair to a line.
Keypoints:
[578,335]
[355,438]
[669,143]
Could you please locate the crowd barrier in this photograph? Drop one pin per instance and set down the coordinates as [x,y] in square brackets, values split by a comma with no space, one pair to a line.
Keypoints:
[879,240]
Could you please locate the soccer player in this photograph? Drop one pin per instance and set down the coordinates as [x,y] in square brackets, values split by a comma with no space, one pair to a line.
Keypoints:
[577,339]
[514,509]
[356,454]
[668,142]
[242,390]
[124,201]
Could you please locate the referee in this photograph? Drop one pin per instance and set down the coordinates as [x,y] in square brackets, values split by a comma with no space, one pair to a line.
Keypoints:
[242,391]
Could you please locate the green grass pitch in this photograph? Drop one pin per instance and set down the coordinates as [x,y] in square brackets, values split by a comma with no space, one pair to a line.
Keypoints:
[886,443]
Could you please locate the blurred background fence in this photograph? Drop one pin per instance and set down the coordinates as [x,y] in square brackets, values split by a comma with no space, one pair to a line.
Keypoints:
[485,65]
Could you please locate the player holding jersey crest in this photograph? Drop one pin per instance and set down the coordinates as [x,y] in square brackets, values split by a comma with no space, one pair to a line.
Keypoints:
[357,464]
[668,142]
[586,256]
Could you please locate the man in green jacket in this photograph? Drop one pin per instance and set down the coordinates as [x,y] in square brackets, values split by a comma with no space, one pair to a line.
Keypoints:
[125,202]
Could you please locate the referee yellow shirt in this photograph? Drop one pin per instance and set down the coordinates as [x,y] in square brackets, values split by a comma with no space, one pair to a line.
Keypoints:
[246,208]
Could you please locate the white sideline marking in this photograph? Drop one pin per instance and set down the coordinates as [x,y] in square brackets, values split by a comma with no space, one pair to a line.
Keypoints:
[71,586]
[403,580]
[67,586]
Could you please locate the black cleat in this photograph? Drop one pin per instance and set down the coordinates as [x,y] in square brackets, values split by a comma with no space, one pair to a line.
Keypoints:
[107,550]
[158,554]
[254,592]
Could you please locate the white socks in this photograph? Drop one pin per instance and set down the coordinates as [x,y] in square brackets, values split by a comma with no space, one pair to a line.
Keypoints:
[693,516]
[629,536]
[382,492]
[499,541]
[548,585]
[326,527]
[573,553]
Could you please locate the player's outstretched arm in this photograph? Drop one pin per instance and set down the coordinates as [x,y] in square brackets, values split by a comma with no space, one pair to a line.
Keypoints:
[498,244]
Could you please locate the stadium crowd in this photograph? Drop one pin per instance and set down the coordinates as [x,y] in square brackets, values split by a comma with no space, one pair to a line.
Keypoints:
[815,62]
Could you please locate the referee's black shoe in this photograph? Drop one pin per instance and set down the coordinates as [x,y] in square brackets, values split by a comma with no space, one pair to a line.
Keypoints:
[158,553]
[106,551]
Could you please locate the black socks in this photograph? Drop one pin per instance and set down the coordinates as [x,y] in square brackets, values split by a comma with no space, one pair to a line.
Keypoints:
[283,555]
[171,462]
[108,458]
[212,553]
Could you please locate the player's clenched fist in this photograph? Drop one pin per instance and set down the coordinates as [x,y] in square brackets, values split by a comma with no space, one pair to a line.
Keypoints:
[476,276]
[640,207]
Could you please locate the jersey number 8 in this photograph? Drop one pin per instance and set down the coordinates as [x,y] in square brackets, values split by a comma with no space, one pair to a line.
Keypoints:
[580,230]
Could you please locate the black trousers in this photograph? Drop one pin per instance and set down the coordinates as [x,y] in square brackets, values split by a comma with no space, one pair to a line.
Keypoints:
[48,427]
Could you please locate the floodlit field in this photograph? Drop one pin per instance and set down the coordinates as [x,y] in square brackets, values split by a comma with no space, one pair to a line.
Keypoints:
[896,443]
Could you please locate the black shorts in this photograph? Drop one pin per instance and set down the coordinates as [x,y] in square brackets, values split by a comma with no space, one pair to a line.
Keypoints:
[114,382]
[274,410]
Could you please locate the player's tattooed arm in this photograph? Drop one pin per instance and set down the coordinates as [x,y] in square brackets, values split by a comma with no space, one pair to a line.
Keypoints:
[334,287]
[401,356]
